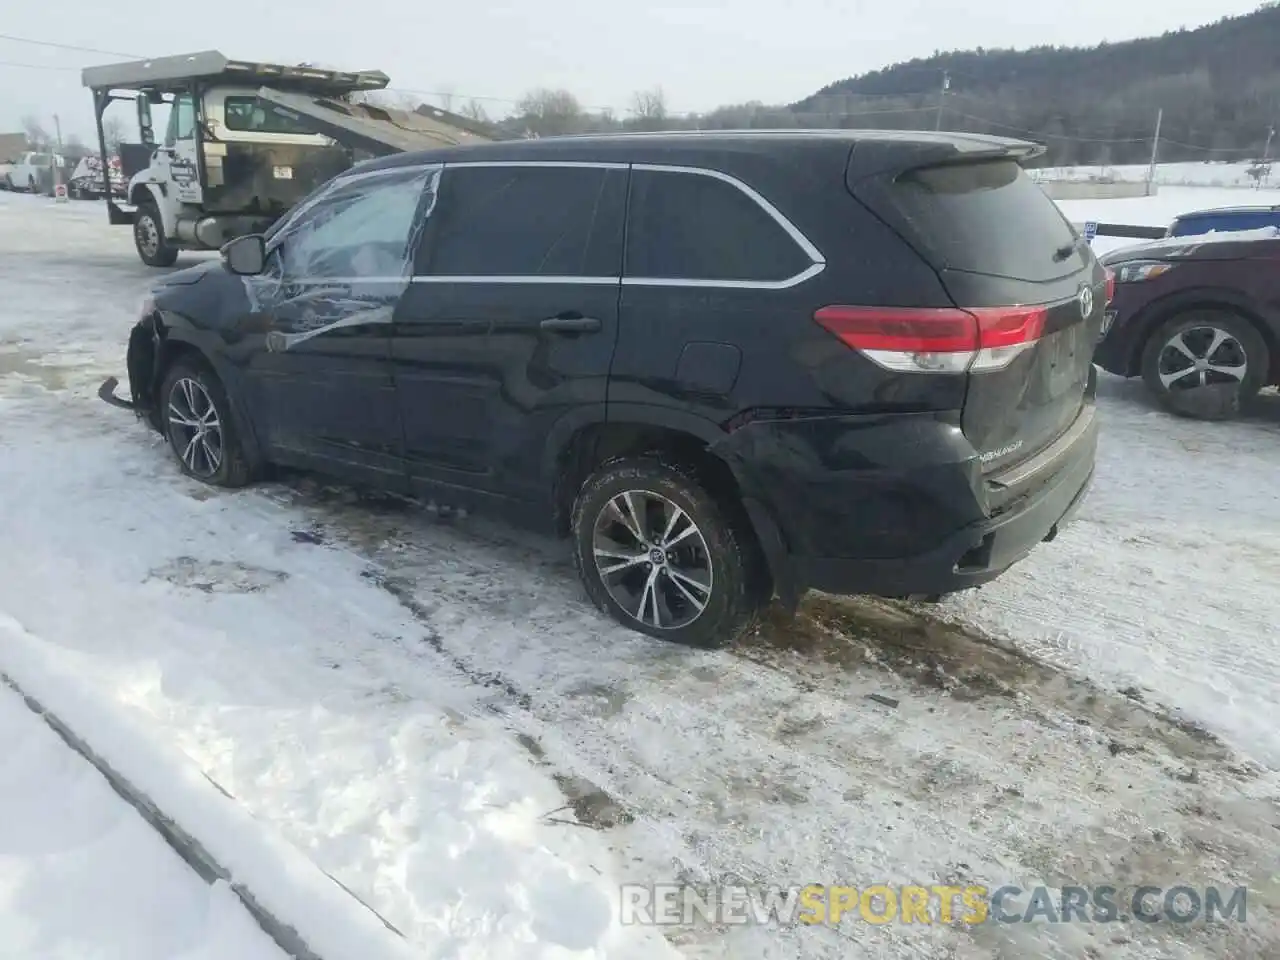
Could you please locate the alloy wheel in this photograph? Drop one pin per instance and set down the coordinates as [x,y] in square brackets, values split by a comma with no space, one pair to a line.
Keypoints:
[195,429]
[1202,356]
[652,559]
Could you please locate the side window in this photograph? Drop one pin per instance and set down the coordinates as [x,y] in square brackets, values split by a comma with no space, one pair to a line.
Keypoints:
[182,120]
[253,115]
[367,225]
[528,222]
[690,226]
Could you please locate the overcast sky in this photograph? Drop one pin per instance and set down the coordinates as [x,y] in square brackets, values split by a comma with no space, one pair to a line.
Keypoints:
[702,52]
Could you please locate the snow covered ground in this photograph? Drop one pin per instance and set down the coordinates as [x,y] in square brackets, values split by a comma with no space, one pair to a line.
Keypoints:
[83,875]
[431,712]
[1159,210]
[1233,175]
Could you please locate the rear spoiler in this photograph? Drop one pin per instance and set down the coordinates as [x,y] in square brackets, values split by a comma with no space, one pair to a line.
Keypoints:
[878,158]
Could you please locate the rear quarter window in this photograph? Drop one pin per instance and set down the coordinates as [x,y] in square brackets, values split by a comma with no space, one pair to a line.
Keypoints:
[695,226]
[988,218]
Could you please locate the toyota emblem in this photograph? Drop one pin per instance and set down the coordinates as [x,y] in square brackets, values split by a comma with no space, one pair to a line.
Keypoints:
[1086,301]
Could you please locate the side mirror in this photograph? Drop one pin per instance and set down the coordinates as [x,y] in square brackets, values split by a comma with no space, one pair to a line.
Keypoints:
[245,256]
[145,133]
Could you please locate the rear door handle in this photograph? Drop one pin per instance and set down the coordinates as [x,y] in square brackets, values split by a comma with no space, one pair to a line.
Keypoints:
[571,324]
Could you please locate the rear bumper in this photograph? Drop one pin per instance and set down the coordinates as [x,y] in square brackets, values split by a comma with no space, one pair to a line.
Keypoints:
[967,558]
[923,526]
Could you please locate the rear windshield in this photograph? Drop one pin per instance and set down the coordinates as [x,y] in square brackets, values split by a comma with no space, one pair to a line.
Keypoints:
[988,218]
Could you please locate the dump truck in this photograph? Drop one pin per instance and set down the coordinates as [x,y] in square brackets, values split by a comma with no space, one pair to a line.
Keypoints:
[244,142]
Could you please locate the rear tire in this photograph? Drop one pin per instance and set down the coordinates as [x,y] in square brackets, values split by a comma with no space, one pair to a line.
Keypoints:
[197,419]
[148,237]
[662,556]
[1205,364]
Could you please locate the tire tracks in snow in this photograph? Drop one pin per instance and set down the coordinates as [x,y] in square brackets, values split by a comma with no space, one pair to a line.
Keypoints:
[769,764]
[815,671]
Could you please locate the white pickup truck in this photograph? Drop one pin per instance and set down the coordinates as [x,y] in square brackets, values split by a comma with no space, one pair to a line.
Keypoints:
[29,172]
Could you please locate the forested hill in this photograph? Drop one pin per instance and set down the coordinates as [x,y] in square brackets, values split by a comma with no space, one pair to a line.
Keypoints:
[1219,87]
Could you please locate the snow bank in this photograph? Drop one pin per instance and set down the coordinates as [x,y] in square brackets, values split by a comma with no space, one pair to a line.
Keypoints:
[332,923]
[81,875]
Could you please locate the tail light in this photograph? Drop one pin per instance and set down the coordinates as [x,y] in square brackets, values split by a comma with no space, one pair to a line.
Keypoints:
[1111,285]
[936,340]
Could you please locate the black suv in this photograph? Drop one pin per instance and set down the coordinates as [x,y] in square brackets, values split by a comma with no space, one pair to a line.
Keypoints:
[729,365]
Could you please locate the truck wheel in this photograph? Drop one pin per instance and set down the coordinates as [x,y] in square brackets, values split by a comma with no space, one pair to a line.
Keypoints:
[1205,364]
[660,555]
[148,236]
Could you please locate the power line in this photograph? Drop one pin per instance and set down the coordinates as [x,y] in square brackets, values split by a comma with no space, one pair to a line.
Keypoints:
[37,66]
[1104,140]
[67,46]
[1050,136]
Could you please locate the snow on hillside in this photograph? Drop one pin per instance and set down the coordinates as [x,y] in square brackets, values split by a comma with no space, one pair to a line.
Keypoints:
[1189,174]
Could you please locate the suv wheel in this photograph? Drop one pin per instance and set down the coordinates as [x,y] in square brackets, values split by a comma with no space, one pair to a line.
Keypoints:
[199,427]
[661,555]
[1205,364]
[148,236]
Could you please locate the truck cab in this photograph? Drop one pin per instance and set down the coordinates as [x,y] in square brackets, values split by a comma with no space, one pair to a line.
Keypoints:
[245,141]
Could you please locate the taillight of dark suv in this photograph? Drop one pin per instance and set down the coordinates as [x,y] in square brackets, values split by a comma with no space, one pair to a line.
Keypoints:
[936,339]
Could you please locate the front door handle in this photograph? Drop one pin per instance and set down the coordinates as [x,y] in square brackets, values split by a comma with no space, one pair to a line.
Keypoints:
[571,324]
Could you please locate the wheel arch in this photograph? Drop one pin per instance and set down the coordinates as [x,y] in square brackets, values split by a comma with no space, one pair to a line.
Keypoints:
[580,445]
[1207,299]
[150,193]
[171,339]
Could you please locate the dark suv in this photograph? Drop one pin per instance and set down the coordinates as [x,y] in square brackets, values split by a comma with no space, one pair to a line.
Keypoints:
[729,365]
[1198,318]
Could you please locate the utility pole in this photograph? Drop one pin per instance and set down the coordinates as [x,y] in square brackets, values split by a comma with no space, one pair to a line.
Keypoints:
[55,158]
[1155,151]
[942,97]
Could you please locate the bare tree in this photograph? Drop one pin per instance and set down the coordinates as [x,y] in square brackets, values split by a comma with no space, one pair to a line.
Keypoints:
[113,133]
[474,110]
[37,135]
[547,113]
[649,108]
[73,146]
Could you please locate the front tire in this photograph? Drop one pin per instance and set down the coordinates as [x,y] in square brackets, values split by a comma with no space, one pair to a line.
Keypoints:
[148,237]
[662,556]
[1205,364]
[197,420]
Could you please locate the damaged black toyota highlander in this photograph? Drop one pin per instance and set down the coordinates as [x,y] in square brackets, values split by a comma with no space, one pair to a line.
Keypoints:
[728,366]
